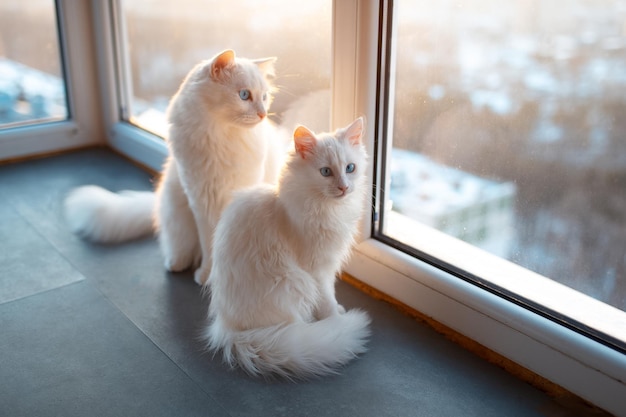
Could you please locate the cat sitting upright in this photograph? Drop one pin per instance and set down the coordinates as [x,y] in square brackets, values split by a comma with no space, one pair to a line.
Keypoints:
[219,141]
[276,254]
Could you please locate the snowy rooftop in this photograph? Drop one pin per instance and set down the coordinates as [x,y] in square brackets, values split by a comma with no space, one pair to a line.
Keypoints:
[16,78]
[421,184]
[43,94]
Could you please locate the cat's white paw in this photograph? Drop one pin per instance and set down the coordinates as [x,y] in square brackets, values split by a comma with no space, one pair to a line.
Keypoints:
[170,266]
[179,264]
[201,275]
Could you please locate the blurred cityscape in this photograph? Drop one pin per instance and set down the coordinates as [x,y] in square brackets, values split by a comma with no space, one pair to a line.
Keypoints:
[531,93]
[471,208]
[509,122]
[31,86]
[27,94]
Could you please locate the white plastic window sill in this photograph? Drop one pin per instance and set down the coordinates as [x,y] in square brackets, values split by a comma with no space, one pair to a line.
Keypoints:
[512,277]
[575,362]
[41,138]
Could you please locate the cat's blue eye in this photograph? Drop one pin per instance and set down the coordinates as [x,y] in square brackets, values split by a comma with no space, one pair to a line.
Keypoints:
[350,168]
[264,96]
[244,94]
[326,172]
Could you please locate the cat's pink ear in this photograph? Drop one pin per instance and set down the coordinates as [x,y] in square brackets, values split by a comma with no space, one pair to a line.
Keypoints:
[266,66]
[222,61]
[305,141]
[354,132]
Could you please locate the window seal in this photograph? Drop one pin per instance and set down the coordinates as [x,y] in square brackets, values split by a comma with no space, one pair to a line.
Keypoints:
[508,295]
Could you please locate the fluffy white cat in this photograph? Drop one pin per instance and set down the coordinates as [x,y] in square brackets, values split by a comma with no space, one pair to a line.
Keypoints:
[219,141]
[276,254]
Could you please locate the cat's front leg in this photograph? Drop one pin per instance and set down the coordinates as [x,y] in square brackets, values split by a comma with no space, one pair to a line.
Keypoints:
[206,202]
[328,305]
[206,229]
[201,276]
[178,234]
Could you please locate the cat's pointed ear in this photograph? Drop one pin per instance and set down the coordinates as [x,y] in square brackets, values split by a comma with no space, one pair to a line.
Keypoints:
[266,66]
[221,62]
[354,132]
[305,141]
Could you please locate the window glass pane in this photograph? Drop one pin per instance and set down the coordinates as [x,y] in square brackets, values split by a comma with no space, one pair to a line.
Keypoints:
[166,38]
[32,88]
[509,133]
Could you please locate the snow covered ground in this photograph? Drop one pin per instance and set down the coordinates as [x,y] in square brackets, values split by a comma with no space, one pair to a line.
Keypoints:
[28,94]
[473,209]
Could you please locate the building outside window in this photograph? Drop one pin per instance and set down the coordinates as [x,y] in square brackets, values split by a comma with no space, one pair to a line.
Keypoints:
[32,86]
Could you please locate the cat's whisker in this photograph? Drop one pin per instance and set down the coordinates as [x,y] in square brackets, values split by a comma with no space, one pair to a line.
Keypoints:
[285,91]
[374,204]
[294,75]
[287,72]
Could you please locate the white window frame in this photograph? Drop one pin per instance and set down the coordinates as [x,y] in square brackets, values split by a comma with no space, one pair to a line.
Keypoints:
[585,367]
[111,45]
[84,126]
[577,363]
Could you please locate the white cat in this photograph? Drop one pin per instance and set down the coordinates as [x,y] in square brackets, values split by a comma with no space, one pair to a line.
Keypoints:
[219,141]
[276,254]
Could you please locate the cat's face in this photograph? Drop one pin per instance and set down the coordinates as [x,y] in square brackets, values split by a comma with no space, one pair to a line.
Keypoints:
[241,92]
[334,164]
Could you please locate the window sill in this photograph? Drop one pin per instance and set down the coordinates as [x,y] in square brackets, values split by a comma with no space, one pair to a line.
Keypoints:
[509,276]
[43,138]
[584,367]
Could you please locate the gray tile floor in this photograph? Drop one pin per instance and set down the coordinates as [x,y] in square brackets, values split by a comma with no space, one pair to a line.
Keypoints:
[89,330]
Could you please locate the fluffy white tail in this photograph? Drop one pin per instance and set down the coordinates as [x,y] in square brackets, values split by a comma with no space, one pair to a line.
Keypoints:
[102,216]
[296,350]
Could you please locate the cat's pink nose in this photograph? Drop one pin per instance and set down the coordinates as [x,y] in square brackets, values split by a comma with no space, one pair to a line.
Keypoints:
[261,115]
[343,188]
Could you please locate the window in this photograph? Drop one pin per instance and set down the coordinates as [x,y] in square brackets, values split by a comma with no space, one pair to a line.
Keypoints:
[505,133]
[32,86]
[164,39]
[445,114]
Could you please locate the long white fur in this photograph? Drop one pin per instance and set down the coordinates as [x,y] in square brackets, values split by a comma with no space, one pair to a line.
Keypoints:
[218,143]
[102,216]
[277,251]
[299,350]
